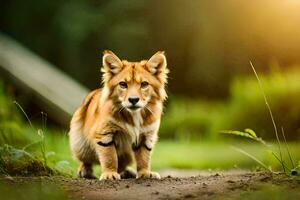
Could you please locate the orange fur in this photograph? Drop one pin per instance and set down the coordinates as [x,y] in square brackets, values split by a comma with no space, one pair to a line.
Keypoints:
[118,124]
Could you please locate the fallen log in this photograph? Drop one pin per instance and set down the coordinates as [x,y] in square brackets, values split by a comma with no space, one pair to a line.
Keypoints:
[56,92]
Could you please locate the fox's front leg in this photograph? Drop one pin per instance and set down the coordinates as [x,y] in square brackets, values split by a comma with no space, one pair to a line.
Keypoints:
[108,159]
[143,158]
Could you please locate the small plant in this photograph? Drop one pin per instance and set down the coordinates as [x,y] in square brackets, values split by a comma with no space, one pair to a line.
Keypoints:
[58,166]
[40,133]
[248,133]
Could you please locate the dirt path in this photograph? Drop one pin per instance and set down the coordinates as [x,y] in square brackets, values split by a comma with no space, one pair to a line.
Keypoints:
[243,185]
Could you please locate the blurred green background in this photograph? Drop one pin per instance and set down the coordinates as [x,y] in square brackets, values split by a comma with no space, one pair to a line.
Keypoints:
[208,43]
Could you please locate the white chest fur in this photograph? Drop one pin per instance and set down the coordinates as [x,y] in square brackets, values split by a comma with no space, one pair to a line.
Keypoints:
[137,129]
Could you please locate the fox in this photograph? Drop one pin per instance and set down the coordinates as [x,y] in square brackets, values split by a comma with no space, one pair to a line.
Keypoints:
[117,125]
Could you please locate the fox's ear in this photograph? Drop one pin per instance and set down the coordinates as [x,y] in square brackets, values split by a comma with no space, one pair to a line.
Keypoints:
[157,63]
[111,63]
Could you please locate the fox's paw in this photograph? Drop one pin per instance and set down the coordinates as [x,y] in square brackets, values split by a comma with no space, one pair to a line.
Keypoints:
[148,174]
[86,172]
[110,176]
[128,173]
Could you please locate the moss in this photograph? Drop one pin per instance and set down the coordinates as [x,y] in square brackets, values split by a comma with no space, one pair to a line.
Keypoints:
[19,162]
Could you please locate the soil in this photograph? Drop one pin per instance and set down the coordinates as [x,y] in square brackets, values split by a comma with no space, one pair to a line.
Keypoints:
[222,185]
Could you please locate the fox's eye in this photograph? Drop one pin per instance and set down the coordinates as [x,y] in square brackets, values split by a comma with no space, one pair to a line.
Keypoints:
[123,84]
[144,84]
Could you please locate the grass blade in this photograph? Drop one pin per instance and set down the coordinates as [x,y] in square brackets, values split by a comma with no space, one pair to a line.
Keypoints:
[283,163]
[287,148]
[271,114]
[252,157]
[246,134]
[251,132]
[23,111]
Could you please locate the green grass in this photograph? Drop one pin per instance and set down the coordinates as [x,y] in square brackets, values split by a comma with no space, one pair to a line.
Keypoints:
[201,155]
[183,155]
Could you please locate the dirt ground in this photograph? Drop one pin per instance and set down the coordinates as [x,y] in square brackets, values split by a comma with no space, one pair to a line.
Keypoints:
[221,185]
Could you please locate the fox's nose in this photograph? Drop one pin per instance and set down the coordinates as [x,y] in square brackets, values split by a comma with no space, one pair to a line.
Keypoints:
[133,99]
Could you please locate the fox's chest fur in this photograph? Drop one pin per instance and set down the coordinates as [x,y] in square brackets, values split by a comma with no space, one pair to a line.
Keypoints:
[138,128]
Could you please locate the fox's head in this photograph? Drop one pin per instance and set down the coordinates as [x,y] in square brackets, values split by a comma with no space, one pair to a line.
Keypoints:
[134,85]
